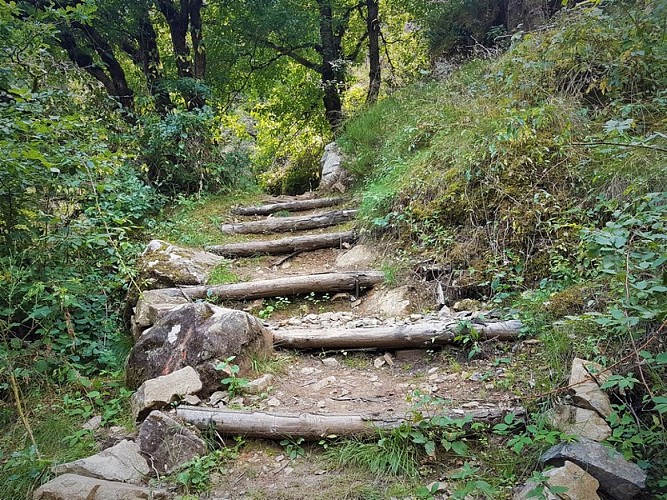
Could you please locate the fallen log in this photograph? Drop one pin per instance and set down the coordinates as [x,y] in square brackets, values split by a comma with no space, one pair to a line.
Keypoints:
[291,206]
[390,337]
[285,245]
[313,426]
[282,287]
[284,224]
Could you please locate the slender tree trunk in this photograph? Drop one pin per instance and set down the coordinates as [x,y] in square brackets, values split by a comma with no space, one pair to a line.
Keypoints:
[373,27]
[331,69]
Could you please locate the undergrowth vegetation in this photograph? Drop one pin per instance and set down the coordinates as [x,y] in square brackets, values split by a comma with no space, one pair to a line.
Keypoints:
[538,180]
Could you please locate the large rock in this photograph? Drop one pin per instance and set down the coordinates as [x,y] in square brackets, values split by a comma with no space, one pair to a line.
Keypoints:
[334,176]
[586,392]
[122,462]
[580,421]
[168,444]
[200,335]
[389,303]
[358,257]
[580,485]
[161,391]
[163,265]
[74,487]
[618,478]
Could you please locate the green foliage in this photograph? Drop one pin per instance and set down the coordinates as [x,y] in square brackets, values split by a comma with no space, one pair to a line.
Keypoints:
[293,447]
[196,475]
[234,383]
[185,152]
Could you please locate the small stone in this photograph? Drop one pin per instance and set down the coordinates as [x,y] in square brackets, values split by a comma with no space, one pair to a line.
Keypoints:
[470,404]
[321,404]
[379,362]
[433,370]
[580,485]
[330,362]
[326,382]
[191,399]
[309,370]
[273,402]
[387,357]
[294,322]
[216,397]
[93,424]
[122,462]
[288,470]
[168,444]
[76,487]
[259,385]
[416,317]
[280,458]
[162,391]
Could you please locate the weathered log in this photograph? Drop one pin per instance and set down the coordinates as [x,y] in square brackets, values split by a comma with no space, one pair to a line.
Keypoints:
[283,224]
[314,426]
[292,206]
[283,287]
[285,245]
[390,337]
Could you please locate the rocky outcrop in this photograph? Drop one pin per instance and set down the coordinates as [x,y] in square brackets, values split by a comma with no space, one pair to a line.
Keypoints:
[152,306]
[390,303]
[122,462]
[334,176]
[161,391]
[75,487]
[618,478]
[359,257]
[586,377]
[167,444]
[200,335]
[163,265]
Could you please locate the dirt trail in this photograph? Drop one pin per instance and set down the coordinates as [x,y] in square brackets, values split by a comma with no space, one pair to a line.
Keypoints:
[366,382]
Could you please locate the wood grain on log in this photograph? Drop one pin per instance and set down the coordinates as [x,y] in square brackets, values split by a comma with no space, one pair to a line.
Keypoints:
[283,287]
[292,206]
[313,426]
[284,245]
[390,337]
[284,224]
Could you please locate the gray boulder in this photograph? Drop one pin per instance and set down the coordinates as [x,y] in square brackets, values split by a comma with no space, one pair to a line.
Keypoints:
[163,265]
[618,478]
[358,257]
[199,335]
[334,176]
[159,392]
[580,485]
[74,487]
[122,462]
[168,444]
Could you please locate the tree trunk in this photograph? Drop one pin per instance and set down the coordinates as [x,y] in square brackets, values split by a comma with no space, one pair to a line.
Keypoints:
[146,55]
[375,72]
[199,54]
[313,426]
[332,70]
[282,287]
[285,245]
[292,206]
[421,335]
[283,224]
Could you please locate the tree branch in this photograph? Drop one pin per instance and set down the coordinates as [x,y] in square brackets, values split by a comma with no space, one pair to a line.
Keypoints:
[289,52]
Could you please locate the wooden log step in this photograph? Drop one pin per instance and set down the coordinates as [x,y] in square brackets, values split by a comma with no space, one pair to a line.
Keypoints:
[352,281]
[284,245]
[291,206]
[419,335]
[283,224]
[312,426]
